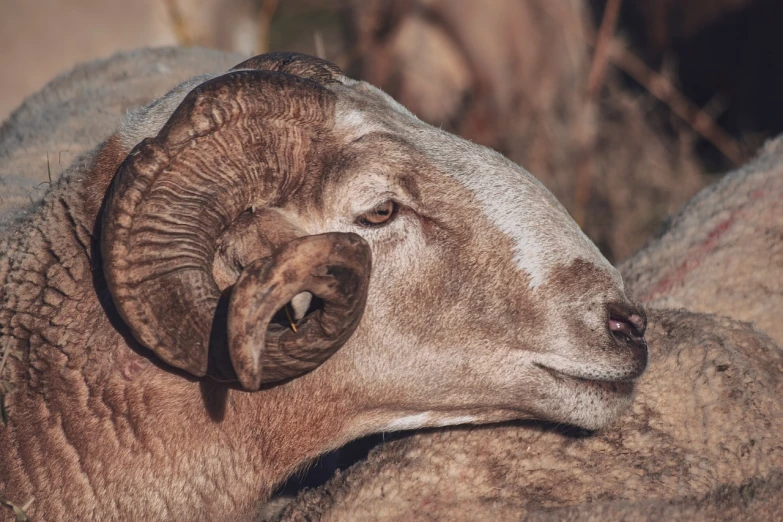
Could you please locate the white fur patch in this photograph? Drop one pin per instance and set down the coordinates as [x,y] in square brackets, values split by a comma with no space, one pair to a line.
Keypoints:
[391,102]
[543,233]
[409,422]
[427,419]
[354,123]
[454,421]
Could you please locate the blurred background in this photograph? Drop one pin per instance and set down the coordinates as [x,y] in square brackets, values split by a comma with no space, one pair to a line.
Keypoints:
[623,108]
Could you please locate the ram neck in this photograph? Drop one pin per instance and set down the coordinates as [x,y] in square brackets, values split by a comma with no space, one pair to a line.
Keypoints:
[47,283]
[282,430]
[85,396]
[50,316]
[167,447]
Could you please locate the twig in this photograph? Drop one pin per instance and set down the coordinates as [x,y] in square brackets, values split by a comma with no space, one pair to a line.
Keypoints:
[318,41]
[6,351]
[601,55]
[60,158]
[290,316]
[655,83]
[665,91]
[595,81]
[20,512]
[48,169]
[48,172]
[178,24]
[27,504]
[4,387]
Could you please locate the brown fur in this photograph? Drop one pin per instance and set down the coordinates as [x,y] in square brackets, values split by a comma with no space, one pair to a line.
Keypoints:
[757,499]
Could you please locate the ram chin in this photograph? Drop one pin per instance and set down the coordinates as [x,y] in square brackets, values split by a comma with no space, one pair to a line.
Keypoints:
[585,403]
[582,403]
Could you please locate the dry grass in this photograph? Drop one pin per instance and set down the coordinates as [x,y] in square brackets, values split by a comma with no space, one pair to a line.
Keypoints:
[5,386]
[20,512]
[265,16]
[655,83]
[179,26]
[595,82]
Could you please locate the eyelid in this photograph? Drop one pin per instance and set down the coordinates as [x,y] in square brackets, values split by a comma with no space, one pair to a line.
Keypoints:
[380,199]
[364,220]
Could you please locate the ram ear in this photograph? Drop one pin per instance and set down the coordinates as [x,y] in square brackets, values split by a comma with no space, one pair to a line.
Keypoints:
[335,269]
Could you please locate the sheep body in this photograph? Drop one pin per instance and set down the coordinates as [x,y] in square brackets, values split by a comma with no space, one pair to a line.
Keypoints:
[723,252]
[81,108]
[707,414]
[758,499]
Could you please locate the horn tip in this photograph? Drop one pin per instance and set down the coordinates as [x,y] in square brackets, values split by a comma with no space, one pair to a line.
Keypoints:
[249,377]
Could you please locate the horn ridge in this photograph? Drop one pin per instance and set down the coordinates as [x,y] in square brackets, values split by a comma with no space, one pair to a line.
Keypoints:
[237,140]
[302,65]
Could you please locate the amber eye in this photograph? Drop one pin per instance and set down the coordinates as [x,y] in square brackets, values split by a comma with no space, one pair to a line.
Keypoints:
[380,215]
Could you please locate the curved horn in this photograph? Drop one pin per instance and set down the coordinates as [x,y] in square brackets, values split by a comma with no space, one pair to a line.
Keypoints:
[244,139]
[334,267]
[297,64]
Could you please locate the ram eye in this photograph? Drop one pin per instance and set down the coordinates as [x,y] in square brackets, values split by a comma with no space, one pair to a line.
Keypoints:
[381,215]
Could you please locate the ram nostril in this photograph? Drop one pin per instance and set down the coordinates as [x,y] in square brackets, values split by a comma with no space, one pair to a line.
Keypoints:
[626,321]
[626,324]
[631,327]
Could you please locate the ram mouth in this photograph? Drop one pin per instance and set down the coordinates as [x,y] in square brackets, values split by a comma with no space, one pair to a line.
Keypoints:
[621,386]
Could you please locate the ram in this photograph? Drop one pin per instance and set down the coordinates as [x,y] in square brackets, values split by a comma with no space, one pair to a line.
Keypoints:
[265,264]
